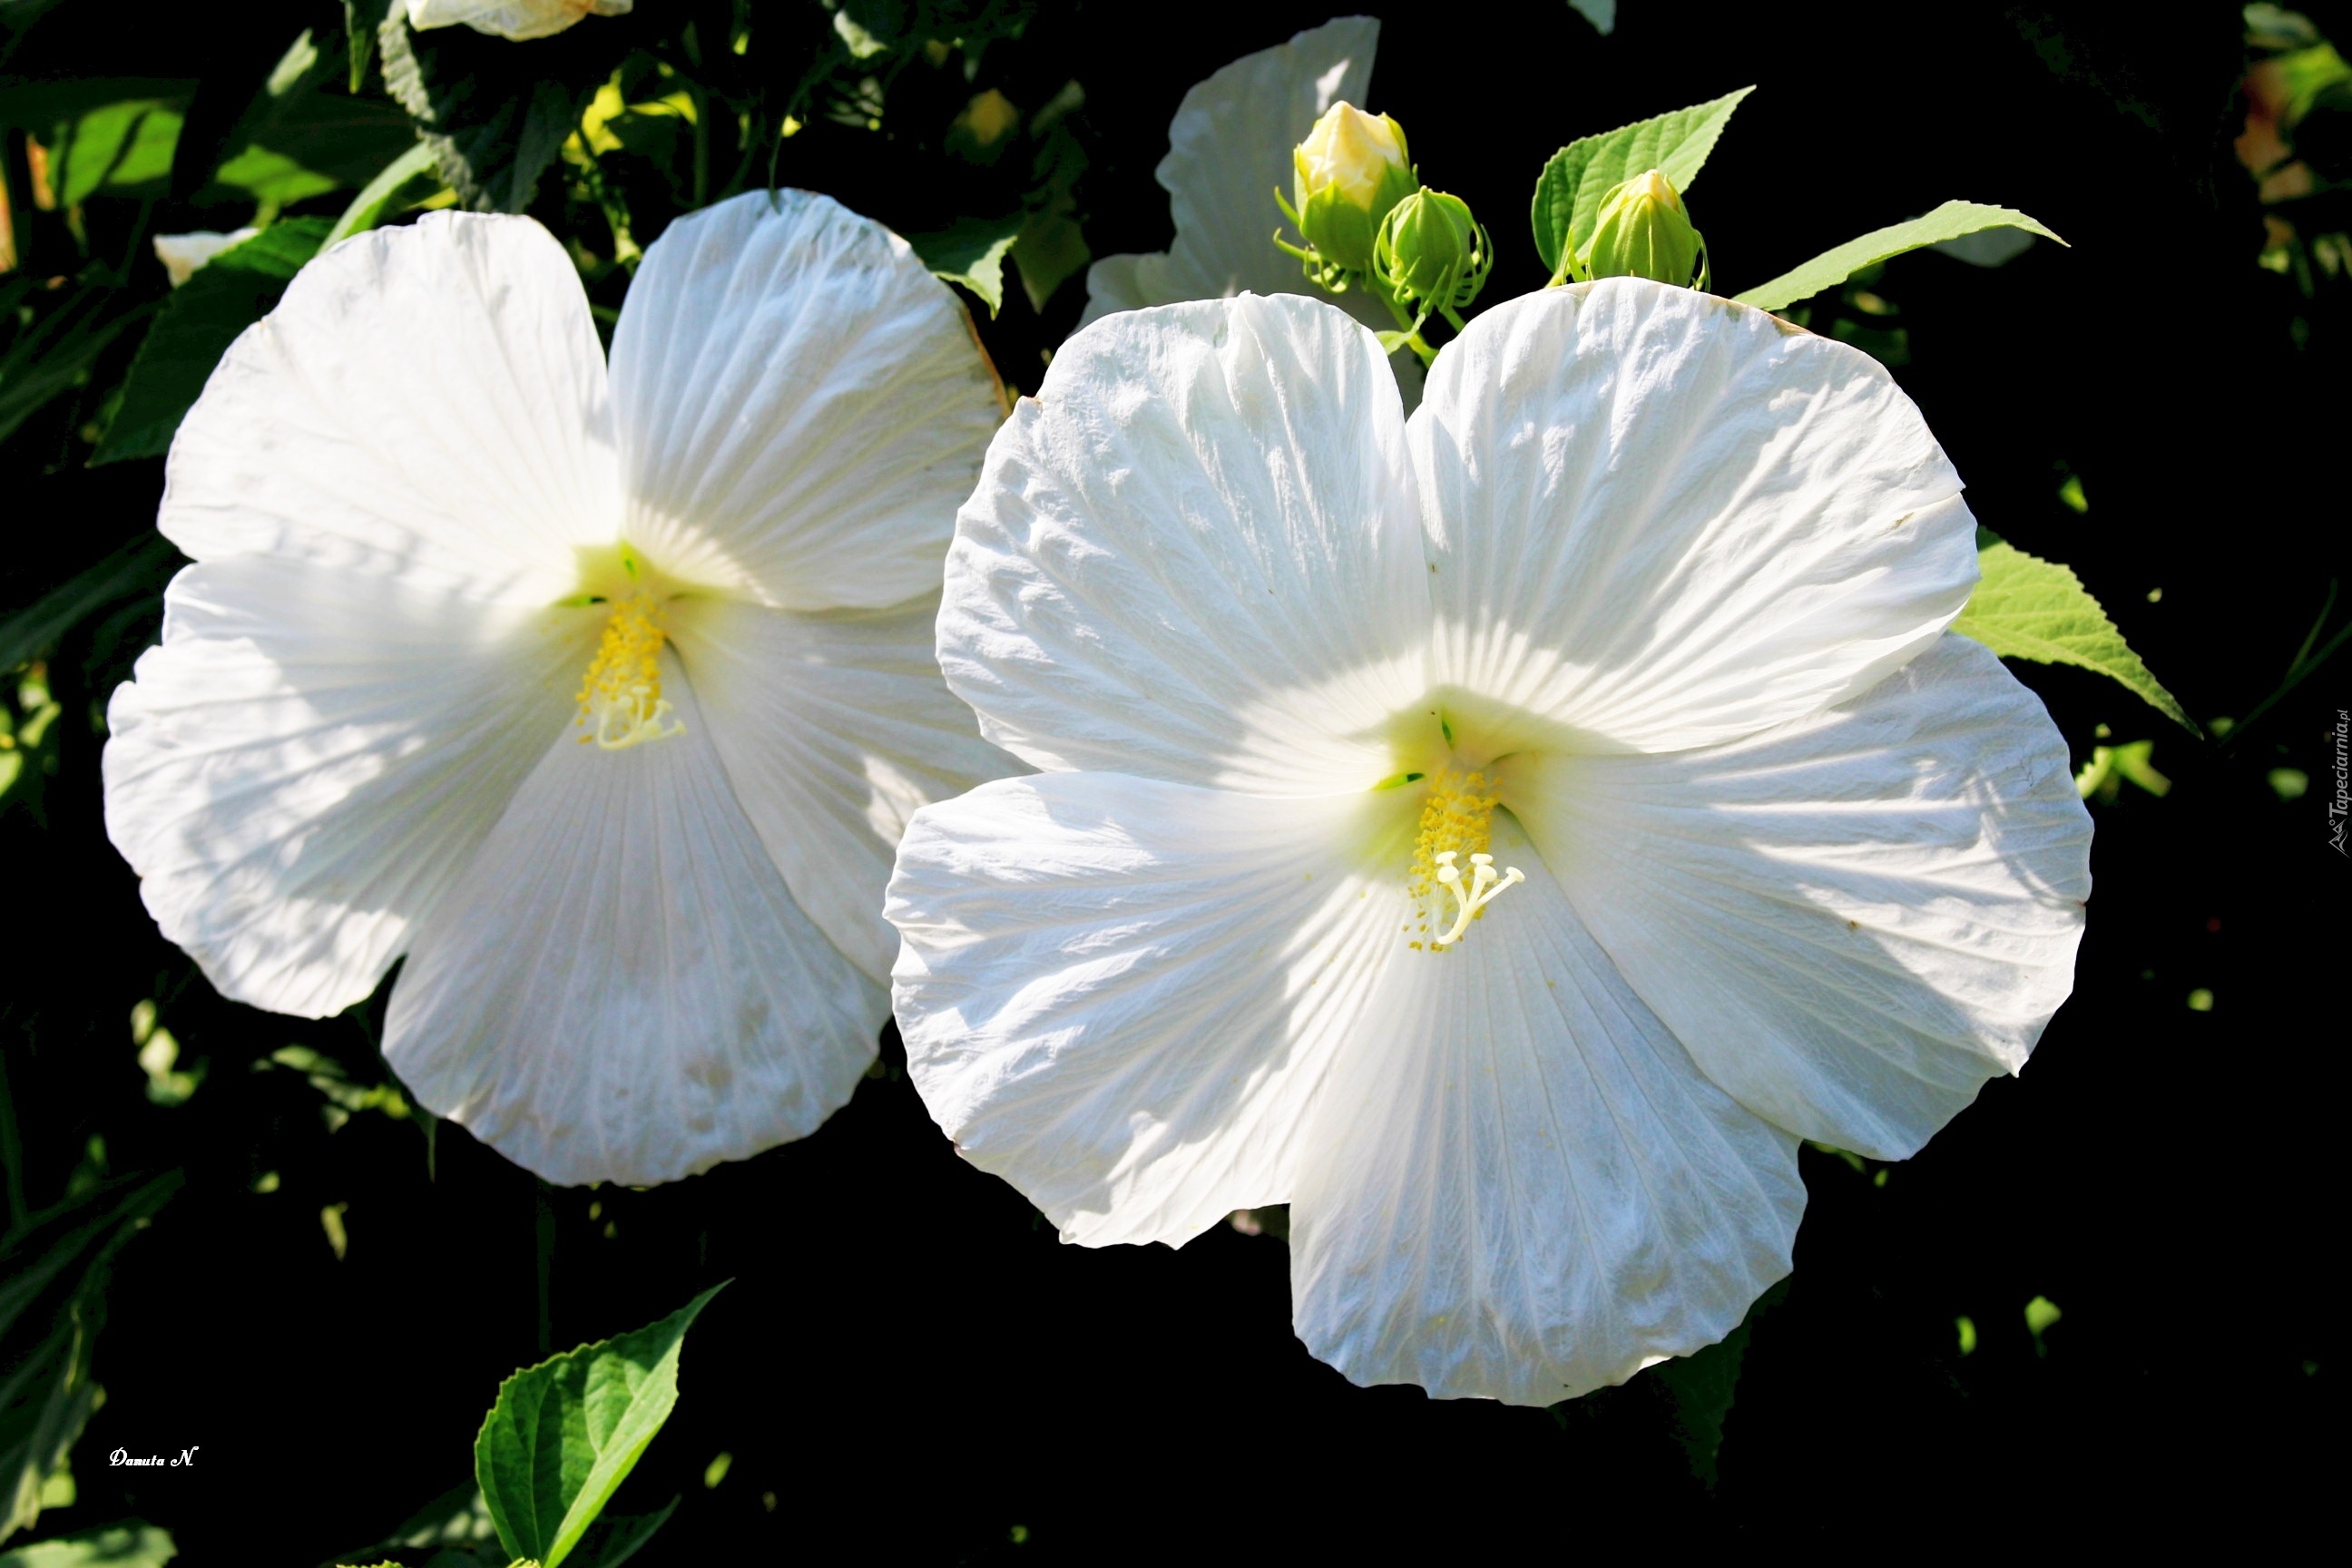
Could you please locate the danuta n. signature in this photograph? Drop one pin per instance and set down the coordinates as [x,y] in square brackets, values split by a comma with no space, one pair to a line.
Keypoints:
[124,1456]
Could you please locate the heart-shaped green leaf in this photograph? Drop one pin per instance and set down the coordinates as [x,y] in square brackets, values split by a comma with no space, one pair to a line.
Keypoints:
[566,1434]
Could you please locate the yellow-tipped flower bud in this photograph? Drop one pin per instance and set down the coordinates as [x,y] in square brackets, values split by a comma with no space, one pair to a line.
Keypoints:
[1431,252]
[1351,169]
[1642,231]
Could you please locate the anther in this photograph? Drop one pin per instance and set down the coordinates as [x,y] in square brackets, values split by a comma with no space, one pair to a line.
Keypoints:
[1484,889]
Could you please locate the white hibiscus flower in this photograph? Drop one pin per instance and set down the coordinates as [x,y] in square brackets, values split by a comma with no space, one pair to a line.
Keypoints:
[603,698]
[516,19]
[1636,630]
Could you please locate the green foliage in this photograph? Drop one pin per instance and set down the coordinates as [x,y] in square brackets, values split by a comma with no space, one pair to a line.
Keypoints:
[53,1272]
[344,1096]
[52,339]
[1833,267]
[298,140]
[130,1544]
[2027,607]
[564,1433]
[143,566]
[1569,193]
[495,115]
[203,316]
[1701,1386]
[408,181]
[972,252]
[126,146]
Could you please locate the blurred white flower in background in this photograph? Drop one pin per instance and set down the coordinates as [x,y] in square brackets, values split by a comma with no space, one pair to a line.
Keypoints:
[183,254]
[1229,152]
[515,19]
[602,697]
[1629,644]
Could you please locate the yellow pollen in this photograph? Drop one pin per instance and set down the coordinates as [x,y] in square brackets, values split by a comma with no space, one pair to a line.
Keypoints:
[620,697]
[1456,821]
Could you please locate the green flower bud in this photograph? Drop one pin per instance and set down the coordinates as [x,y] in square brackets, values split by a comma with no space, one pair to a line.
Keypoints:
[1350,171]
[1642,231]
[1431,253]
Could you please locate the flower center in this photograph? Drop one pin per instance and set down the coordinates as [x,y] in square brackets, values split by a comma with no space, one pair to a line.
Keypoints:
[1456,820]
[620,698]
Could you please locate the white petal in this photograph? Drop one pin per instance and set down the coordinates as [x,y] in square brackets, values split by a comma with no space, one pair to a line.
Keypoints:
[1228,153]
[621,989]
[184,255]
[426,401]
[1517,1186]
[834,729]
[802,405]
[1120,996]
[1669,521]
[1195,555]
[1852,920]
[516,19]
[304,766]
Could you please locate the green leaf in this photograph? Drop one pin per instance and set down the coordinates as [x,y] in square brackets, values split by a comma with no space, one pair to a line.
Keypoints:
[143,566]
[53,1273]
[131,1545]
[408,181]
[361,20]
[564,1433]
[496,114]
[1701,1386]
[1831,267]
[2027,607]
[458,1519]
[118,146]
[1569,190]
[610,1543]
[199,321]
[298,140]
[1049,252]
[52,355]
[972,252]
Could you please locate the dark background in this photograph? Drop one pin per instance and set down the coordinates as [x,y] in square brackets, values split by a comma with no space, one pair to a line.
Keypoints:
[909,1365]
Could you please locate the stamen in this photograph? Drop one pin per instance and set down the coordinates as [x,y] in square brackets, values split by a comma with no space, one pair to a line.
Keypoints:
[620,697]
[1456,819]
[1484,890]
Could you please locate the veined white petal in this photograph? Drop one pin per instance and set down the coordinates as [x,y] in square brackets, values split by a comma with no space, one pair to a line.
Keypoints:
[1195,555]
[302,769]
[802,405]
[1852,920]
[1517,1186]
[1667,521]
[1228,153]
[834,729]
[621,988]
[426,403]
[1122,996]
